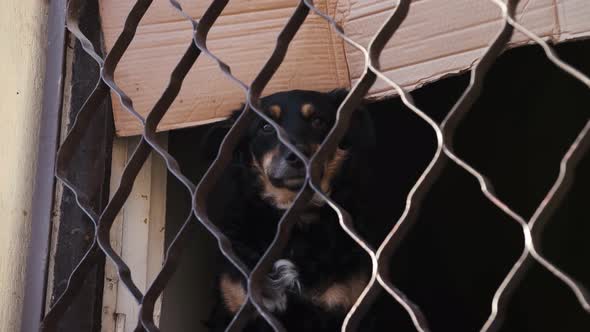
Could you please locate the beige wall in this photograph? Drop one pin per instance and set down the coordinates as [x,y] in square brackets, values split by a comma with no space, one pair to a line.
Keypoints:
[22,68]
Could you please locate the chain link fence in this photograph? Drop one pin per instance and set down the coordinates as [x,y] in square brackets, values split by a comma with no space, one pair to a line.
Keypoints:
[103,220]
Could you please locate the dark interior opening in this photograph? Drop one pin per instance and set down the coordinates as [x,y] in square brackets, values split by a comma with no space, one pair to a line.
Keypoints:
[461,246]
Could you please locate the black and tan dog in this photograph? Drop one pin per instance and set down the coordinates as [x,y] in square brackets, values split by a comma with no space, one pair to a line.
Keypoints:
[322,271]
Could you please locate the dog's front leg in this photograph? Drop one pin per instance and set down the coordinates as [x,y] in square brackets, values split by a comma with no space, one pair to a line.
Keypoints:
[282,280]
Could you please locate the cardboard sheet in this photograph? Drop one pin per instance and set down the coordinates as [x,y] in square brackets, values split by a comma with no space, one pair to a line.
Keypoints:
[438,38]
[244,37]
[441,38]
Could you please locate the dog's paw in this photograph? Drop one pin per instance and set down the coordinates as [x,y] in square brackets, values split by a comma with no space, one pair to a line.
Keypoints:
[282,279]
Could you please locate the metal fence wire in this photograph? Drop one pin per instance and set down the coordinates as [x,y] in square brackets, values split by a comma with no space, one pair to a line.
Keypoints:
[103,220]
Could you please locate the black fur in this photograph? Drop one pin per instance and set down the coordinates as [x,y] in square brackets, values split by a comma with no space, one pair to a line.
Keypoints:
[321,251]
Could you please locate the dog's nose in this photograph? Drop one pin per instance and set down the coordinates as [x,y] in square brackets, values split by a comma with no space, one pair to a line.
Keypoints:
[293,160]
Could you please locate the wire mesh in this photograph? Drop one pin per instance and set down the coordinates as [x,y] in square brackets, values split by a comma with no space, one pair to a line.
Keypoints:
[103,220]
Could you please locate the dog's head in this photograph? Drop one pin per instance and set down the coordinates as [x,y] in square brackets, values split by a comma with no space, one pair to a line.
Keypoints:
[307,117]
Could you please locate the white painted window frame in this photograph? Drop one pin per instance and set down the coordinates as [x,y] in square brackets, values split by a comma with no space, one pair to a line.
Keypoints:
[138,235]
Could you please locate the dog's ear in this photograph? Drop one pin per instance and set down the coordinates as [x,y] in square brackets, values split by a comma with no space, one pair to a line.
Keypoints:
[241,150]
[235,114]
[338,96]
[213,137]
[361,132]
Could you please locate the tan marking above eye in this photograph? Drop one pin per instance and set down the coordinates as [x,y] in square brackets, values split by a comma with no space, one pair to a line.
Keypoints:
[307,110]
[275,111]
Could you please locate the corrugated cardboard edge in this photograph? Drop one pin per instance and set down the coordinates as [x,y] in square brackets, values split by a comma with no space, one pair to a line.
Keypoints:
[560,38]
[572,23]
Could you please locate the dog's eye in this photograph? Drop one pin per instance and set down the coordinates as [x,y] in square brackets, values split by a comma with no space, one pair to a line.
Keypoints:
[266,129]
[318,123]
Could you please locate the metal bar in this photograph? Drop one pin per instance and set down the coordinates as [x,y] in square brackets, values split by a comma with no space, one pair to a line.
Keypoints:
[42,205]
[74,232]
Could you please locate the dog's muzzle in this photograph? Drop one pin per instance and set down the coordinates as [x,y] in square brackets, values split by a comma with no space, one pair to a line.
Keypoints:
[286,171]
